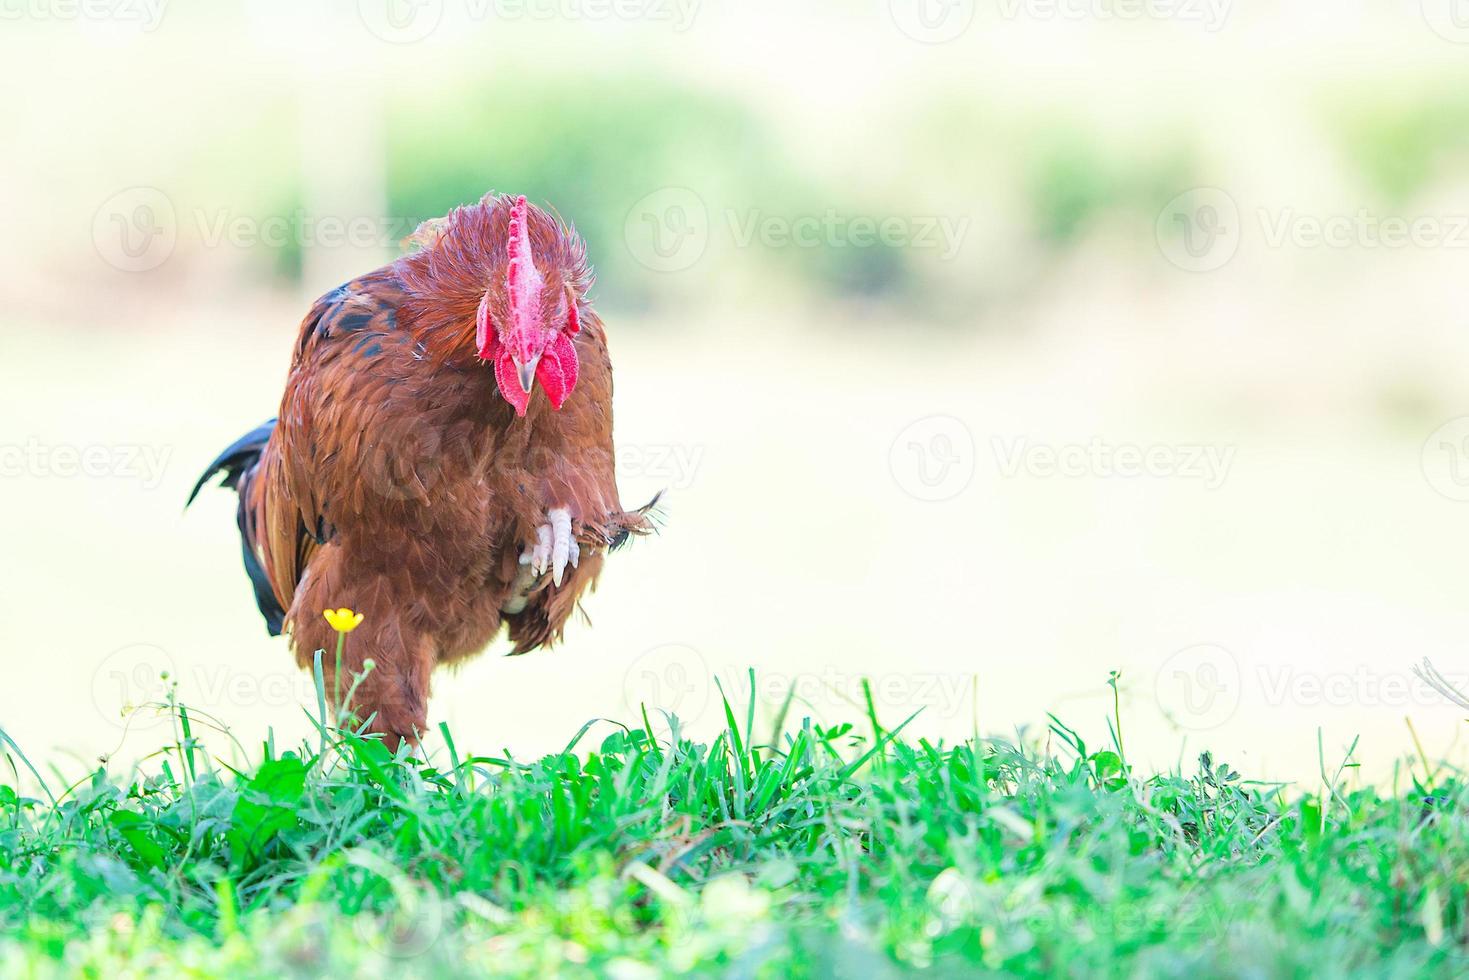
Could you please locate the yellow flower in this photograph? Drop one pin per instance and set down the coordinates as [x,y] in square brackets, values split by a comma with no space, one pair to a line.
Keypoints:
[342,620]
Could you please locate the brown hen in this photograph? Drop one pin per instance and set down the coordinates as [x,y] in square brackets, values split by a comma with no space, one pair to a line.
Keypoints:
[442,461]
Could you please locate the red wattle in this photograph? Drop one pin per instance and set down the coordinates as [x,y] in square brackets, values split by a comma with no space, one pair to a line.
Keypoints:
[557,370]
[484,333]
[509,382]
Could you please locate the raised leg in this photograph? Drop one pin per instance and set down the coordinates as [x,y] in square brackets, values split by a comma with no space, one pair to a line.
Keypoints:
[553,549]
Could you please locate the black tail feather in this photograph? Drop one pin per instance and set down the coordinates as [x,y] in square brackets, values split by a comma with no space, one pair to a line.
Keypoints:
[238,457]
[237,463]
[652,514]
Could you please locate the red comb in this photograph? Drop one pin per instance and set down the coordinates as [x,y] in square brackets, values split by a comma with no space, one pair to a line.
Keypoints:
[522,279]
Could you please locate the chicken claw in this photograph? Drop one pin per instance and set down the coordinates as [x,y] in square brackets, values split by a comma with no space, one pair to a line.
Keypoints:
[554,547]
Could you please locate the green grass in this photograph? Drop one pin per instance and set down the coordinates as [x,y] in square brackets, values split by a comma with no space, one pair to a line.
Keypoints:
[843,851]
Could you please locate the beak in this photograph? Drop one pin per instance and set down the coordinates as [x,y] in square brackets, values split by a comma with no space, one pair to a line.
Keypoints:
[527,372]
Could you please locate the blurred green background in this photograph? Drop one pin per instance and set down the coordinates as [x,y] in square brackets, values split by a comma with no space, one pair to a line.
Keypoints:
[179,186]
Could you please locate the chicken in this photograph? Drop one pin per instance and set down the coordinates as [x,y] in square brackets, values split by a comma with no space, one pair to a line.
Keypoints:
[442,461]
